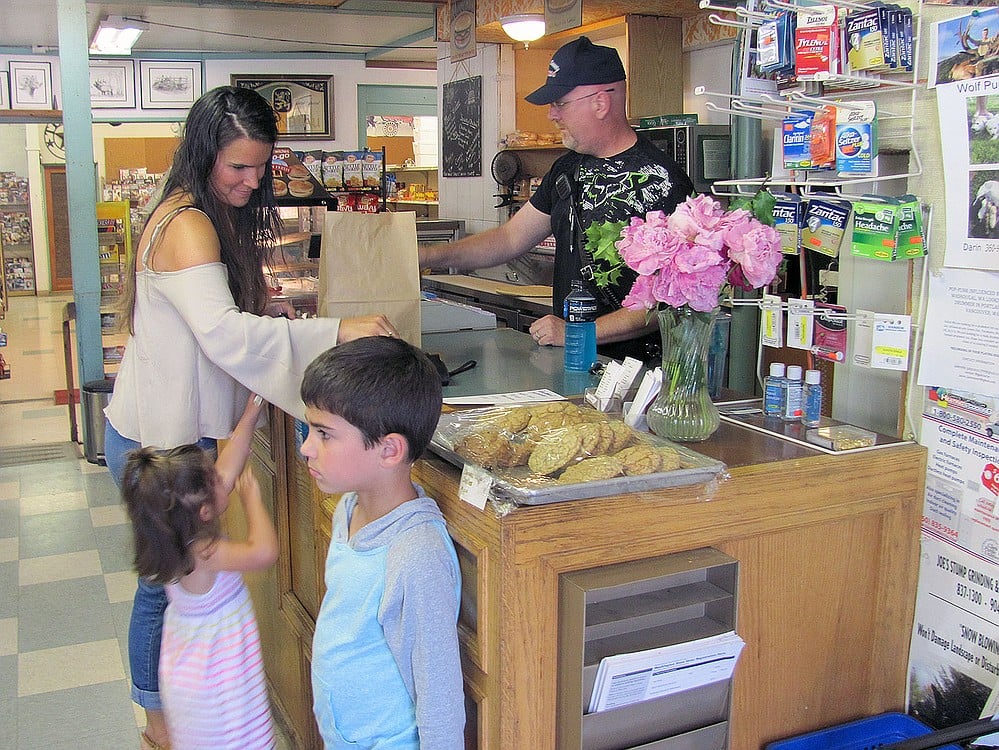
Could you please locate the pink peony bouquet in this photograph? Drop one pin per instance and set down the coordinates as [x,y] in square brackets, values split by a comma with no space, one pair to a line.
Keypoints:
[688,257]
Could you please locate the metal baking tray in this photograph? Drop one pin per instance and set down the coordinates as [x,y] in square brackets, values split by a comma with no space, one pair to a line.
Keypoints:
[522,487]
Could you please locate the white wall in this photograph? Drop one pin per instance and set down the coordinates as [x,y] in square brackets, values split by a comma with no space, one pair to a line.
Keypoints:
[12,151]
[711,68]
[22,149]
[347,74]
[472,198]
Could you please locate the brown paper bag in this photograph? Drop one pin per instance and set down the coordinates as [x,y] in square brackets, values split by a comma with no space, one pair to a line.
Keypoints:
[368,264]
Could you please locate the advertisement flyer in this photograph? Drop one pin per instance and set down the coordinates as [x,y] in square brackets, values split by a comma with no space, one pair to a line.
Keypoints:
[954,651]
[962,472]
[969,125]
[961,340]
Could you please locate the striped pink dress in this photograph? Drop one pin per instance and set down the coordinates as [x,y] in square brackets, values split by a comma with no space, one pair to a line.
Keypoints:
[211,671]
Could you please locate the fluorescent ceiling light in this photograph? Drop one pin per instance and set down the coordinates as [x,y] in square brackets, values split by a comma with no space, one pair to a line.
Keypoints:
[524,27]
[116,35]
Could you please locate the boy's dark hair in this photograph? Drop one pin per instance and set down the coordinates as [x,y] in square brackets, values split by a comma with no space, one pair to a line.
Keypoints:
[379,385]
[164,492]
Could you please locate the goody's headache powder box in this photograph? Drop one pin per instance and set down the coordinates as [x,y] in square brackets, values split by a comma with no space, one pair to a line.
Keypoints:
[825,223]
[910,228]
[875,230]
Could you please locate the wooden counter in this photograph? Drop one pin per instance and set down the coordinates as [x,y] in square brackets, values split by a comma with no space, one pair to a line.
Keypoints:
[827,552]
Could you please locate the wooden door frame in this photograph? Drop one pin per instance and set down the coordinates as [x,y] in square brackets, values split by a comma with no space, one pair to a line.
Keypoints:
[57,283]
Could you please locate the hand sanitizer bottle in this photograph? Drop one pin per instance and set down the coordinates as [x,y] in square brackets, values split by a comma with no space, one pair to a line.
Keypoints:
[774,388]
[811,402]
[792,403]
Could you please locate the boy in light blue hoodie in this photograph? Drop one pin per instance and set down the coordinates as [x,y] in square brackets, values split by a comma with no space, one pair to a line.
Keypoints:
[386,672]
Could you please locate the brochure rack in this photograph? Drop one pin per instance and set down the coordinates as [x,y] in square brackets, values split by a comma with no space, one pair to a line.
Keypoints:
[637,606]
[17,258]
[114,240]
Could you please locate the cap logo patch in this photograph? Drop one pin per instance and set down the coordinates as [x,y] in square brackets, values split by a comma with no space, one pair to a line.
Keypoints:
[553,69]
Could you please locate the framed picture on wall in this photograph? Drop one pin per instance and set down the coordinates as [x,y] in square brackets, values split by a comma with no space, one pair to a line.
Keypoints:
[4,90]
[112,84]
[169,84]
[303,104]
[30,84]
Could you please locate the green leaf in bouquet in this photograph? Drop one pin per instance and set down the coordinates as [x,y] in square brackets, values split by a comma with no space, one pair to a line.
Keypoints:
[604,278]
[763,207]
[743,202]
[600,239]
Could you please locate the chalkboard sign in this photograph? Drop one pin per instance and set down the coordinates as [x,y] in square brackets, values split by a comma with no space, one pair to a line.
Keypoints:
[461,148]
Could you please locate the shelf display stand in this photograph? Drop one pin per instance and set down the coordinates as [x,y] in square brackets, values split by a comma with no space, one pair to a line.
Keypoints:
[16,252]
[114,240]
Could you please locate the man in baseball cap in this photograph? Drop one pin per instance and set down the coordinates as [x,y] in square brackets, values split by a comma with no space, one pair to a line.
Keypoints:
[610,173]
[578,63]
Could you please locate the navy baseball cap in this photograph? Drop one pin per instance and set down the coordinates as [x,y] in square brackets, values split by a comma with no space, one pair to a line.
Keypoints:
[578,63]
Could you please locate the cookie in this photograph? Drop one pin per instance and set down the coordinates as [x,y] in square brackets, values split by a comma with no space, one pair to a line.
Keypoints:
[487,448]
[589,438]
[670,458]
[623,436]
[513,420]
[640,459]
[518,451]
[606,439]
[592,470]
[553,452]
[547,421]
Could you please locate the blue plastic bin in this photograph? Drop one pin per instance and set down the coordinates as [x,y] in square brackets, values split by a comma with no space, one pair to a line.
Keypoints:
[863,734]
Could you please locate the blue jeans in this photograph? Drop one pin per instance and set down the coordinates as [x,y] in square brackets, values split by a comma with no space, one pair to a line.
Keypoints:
[145,629]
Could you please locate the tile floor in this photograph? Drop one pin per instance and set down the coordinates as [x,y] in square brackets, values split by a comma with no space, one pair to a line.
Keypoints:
[65,560]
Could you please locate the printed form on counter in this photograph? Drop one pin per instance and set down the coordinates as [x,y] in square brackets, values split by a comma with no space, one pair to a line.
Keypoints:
[624,679]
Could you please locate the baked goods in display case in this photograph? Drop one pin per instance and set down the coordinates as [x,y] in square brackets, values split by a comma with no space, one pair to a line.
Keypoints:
[558,450]
[530,139]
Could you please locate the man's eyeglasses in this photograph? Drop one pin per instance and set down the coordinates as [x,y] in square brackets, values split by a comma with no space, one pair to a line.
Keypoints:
[562,105]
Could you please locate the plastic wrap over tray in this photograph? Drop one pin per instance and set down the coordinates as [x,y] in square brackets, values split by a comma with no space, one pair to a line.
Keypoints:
[557,451]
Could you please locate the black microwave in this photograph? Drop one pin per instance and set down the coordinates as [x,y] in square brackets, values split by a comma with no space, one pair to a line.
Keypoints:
[704,152]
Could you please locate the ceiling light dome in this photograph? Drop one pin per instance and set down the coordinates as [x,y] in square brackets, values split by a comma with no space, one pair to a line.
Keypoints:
[524,27]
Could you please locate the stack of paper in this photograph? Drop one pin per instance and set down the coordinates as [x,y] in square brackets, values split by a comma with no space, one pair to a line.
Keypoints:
[629,678]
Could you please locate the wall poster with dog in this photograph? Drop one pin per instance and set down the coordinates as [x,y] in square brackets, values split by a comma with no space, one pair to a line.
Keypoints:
[969,125]
[964,69]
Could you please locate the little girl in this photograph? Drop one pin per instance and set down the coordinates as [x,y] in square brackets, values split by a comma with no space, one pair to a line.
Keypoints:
[211,673]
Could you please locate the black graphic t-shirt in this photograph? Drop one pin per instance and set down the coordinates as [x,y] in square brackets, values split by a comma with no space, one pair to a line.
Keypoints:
[634,182]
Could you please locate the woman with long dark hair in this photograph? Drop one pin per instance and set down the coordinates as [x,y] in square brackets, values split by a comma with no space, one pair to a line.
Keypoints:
[203,334]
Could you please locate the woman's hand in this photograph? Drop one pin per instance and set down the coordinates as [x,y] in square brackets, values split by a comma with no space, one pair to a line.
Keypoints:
[367,325]
[280,308]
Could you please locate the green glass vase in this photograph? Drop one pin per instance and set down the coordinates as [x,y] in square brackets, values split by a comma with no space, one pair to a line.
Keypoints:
[683,410]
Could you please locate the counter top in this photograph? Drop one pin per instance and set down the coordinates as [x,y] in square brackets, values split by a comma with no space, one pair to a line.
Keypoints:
[538,301]
[507,361]
[510,361]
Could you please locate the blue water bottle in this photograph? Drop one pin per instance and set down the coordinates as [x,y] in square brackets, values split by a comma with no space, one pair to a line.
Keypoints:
[580,312]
